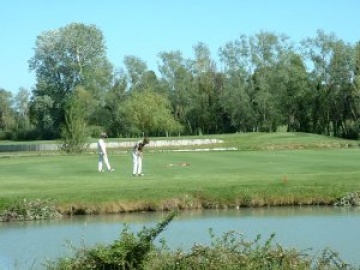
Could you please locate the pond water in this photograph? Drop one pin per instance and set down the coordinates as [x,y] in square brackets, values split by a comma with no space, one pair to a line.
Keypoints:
[25,245]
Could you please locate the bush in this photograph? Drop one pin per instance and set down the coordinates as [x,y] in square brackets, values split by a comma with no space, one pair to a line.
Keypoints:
[5,135]
[130,252]
[231,251]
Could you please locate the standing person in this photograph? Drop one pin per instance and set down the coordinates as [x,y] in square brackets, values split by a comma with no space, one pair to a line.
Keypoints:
[103,157]
[137,154]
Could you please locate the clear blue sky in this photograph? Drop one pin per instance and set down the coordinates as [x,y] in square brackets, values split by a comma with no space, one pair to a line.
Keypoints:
[144,28]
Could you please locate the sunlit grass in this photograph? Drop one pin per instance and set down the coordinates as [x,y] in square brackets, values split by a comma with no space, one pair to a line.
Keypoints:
[185,179]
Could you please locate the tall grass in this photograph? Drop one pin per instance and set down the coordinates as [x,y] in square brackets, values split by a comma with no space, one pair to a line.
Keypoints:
[232,251]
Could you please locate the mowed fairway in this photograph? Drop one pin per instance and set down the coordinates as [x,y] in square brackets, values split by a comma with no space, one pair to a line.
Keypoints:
[218,177]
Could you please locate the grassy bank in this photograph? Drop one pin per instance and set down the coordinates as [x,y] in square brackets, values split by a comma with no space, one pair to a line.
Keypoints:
[285,169]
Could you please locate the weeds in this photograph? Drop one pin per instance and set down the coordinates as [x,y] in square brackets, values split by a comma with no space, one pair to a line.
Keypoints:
[230,251]
[26,210]
[129,252]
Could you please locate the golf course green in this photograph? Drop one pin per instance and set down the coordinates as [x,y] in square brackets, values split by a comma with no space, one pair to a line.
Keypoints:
[264,169]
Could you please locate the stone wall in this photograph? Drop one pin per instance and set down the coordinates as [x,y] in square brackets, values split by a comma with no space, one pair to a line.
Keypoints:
[109,144]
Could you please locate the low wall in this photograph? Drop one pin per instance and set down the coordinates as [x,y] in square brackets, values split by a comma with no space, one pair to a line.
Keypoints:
[109,144]
[28,147]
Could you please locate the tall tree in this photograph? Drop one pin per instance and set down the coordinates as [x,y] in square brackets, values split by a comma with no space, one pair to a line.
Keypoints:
[73,130]
[22,109]
[293,97]
[177,78]
[136,70]
[66,58]
[41,109]
[319,51]
[110,115]
[205,100]
[266,49]
[7,120]
[343,98]
[236,102]
[147,112]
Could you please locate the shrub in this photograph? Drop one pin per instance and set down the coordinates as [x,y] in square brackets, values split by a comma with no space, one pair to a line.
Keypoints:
[129,252]
[230,251]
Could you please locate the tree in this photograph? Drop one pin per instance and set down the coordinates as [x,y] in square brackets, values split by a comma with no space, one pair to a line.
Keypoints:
[73,130]
[110,116]
[41,117]
[177,79]
[7,120]
[334,67]
[266,50]
[149,112]
[204,97]
[66,58]
[22,109]
[252,88]
[318,50]
[343,99]
[235,99]
[136,70]
[293,96]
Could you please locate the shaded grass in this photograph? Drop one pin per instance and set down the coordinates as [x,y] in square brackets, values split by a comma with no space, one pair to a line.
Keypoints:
[213,179]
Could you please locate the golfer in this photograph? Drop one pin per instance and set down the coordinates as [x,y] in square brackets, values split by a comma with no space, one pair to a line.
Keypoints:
[137,155]
[103,157]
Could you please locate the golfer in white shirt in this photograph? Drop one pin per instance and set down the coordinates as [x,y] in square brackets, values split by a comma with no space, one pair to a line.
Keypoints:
[103,157]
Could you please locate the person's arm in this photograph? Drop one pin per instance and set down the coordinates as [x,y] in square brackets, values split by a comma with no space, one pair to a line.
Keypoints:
[141,149]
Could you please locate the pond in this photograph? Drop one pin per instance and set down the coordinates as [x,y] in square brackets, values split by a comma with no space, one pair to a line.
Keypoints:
[25,245]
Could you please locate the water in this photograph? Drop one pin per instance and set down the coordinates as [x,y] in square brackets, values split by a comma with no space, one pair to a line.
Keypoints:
[25,245]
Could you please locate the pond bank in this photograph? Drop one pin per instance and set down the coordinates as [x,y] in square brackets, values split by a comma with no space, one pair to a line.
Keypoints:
[43,210]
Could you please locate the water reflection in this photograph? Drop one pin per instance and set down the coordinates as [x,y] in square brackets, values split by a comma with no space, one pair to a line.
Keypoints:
[24,245]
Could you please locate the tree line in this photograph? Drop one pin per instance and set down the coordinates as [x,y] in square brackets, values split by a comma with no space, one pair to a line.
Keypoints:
[259,83]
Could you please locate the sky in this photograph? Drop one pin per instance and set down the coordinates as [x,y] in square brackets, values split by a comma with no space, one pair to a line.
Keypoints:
[144,28]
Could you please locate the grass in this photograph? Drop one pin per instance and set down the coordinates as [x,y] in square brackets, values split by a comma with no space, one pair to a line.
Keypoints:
[285,169]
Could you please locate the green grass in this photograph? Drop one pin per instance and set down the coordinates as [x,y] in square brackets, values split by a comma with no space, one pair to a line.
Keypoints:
[213,179]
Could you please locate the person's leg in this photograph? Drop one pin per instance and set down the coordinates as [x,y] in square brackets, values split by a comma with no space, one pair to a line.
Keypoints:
[139,169]
[100,163]
[106,161]
[135,163]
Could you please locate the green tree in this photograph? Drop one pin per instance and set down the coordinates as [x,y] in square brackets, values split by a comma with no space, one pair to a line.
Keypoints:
[177,79]
[334,67]
[66,58]
[73,130]
[110,115]
[7,120]
[41,116]
[293,94]
[235,98]
[136,70]
[319,50]
[22,109]
[204,97]
[356,80]
[343,114]
[266,50]
[149,112]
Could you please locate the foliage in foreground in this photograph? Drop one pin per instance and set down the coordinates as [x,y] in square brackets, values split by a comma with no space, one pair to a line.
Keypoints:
[129,252]
[231,251]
